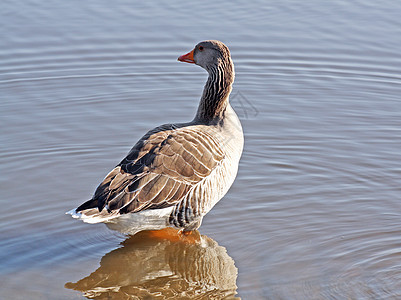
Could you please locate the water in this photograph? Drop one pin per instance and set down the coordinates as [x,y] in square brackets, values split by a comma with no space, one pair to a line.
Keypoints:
[315,210]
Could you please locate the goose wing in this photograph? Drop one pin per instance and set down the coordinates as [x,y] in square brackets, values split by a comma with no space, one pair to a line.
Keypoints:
[159,170]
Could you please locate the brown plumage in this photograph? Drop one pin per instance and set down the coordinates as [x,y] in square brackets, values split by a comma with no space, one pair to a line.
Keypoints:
[182,168]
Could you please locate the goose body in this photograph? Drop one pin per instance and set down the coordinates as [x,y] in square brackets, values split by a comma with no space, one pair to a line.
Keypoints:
[176,173]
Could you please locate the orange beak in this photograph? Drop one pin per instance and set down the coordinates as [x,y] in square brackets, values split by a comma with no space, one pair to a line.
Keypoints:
[189,57]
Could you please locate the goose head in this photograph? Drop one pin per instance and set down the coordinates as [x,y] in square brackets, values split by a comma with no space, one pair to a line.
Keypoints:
[215,58]
[209,55]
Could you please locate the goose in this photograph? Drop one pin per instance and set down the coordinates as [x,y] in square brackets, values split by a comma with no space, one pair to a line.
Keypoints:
[176,173]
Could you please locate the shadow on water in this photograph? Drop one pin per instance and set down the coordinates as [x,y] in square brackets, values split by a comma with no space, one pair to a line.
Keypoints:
[147,267]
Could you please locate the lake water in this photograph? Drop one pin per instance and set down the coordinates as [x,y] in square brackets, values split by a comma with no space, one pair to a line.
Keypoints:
[315,210]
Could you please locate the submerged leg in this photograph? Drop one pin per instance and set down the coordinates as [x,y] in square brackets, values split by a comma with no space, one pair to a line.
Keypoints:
[186,233]
[174,235]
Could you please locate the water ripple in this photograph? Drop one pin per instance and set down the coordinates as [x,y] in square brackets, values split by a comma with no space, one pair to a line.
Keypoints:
[314,212]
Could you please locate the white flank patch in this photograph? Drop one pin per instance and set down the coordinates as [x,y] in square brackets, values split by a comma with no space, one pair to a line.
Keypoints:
[73,213]
[131,223]
[92,216]
[152,219]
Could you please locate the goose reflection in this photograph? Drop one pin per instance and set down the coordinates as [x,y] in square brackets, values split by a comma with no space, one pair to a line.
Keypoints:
[149,267]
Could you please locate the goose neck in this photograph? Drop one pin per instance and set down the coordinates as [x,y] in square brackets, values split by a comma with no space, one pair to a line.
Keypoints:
[216,92]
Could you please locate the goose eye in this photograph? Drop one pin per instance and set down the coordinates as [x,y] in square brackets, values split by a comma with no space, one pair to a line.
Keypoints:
[200,48]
